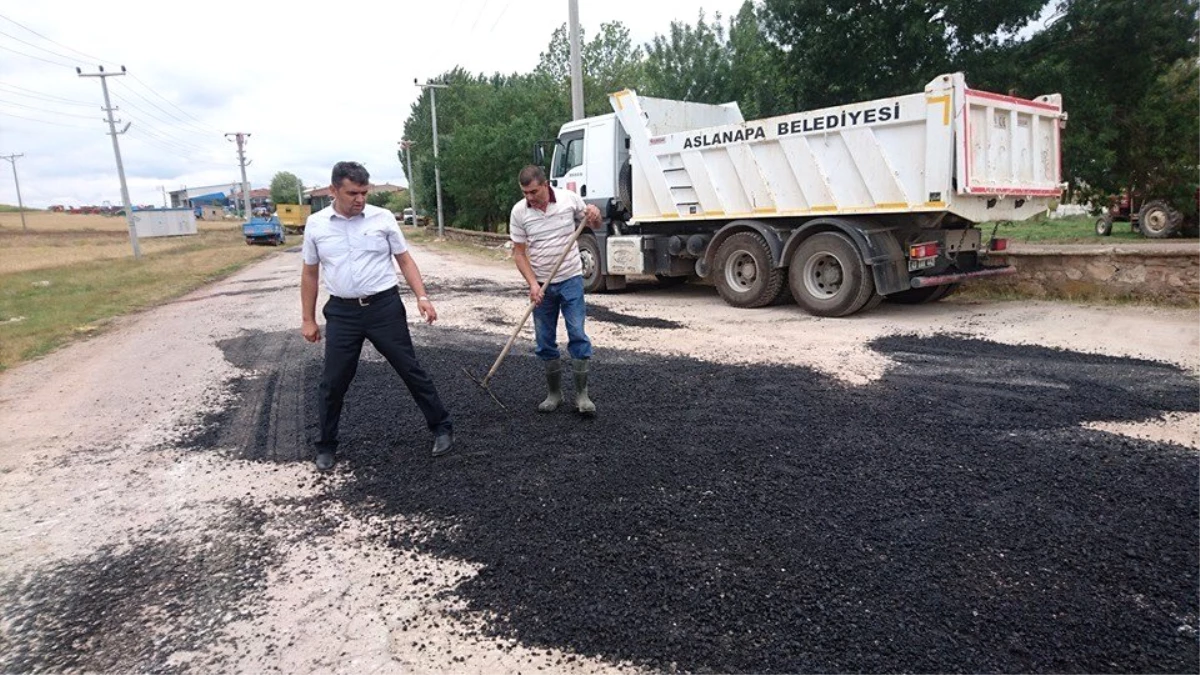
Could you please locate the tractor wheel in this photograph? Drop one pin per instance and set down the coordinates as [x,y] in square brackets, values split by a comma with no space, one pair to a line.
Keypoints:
[746,275]
[1104,225]
[828,277]
[1157,220]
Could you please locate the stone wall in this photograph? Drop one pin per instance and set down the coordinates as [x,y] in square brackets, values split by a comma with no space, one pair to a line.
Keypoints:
[1166,273]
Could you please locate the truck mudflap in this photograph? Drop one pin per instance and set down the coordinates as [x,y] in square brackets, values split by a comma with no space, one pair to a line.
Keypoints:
[943,279]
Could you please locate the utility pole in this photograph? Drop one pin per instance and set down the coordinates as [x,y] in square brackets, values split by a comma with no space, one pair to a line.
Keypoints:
[437,171]
[412,189]
[12,159]
[576,63]
[299,192]
[241,143]
[112,131]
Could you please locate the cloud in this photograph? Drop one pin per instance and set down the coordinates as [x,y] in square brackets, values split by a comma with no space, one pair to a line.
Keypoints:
[312,84]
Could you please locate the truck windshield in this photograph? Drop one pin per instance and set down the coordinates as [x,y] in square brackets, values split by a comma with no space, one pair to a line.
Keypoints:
[568,155]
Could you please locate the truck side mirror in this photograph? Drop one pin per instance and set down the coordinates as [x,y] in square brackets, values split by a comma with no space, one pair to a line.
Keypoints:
[539,154]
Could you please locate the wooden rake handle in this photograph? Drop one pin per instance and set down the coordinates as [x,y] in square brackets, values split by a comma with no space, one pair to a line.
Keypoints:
[529,310]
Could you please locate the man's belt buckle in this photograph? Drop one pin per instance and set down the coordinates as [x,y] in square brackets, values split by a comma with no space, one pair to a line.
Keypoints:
[363,302]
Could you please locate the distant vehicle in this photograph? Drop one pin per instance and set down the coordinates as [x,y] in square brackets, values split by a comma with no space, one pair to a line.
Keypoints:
[1154,218]
[293,216]
[409,216]
[264,229]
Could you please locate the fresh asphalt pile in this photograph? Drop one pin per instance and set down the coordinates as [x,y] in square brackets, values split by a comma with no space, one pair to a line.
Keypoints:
[953,516]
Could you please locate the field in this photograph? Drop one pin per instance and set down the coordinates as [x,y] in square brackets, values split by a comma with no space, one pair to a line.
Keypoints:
[67,275]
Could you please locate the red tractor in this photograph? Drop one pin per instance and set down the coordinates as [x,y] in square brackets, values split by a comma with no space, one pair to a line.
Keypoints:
[1154,218]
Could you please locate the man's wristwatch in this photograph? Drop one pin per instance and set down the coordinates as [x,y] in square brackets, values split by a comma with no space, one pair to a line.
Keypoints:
[423,297]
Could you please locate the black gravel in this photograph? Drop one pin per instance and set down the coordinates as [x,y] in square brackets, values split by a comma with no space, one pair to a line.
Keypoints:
[130,607]
[951,517]
[600,313]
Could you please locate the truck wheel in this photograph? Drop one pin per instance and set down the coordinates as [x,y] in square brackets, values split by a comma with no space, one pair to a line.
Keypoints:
[589,254]
[1104,225]
[625,188]
[1157,220]
[828,276]
[746,275]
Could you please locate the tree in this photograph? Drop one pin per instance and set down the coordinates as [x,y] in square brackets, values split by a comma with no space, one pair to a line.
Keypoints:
[708,64]
[610,63]
[379,199]
[1133,118]
[691,63]
[839,51]
[286,188]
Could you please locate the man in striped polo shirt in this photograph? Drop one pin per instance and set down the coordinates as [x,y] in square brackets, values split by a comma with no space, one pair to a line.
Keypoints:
[541,226]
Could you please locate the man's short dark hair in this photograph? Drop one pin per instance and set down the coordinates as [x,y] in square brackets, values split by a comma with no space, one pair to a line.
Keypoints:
[353,171]
[530,174]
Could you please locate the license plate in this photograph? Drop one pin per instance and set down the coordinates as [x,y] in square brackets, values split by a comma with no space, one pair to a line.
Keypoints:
[921,263]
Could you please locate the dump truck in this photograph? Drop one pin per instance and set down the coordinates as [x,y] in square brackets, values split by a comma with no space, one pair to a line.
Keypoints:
[293,216]
[838,208]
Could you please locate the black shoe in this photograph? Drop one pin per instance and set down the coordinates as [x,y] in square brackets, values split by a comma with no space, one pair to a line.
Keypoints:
[442,443]
[325,460]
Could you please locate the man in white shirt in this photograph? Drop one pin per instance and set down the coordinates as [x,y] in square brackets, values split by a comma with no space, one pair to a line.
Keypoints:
[352,245]
[540,226]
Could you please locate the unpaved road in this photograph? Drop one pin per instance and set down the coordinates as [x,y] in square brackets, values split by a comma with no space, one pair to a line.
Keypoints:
[965,486]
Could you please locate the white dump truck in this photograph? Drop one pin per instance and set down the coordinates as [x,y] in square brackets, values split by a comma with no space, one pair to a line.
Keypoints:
[838,208]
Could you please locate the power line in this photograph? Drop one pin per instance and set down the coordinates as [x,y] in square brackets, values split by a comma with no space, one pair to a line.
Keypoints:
[195,129]
[32,56]
[89,57]
[478,15]
[41,121]
[26,42]
[501,15]
[148,88]
[155,117]
[47,110]
[29,93]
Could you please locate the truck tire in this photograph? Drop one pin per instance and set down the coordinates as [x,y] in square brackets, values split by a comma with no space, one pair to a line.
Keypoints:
[828,277]
[589,253]
[1157,220]
[746,275]
[625,188]
[1104,225]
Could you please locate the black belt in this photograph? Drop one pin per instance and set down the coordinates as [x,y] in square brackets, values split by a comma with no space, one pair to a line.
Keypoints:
[363,302]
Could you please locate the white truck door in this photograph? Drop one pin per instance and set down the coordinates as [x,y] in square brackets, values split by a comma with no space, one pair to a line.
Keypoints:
[568,170]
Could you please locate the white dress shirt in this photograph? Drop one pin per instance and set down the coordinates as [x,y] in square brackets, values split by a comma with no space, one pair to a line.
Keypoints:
[356,254]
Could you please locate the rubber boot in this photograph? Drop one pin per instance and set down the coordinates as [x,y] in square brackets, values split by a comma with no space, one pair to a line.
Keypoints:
[553,386]
[585,405]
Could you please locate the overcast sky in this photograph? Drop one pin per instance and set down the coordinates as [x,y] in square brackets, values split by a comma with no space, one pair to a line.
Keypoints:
[313,83]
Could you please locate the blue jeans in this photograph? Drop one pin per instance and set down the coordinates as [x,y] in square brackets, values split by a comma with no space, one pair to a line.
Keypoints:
[567,296]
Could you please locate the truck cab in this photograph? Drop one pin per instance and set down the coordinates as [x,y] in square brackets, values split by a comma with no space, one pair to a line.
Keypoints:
[587,158]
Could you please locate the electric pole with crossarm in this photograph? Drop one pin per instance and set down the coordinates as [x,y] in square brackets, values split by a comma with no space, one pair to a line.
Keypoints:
[12,159]
[112,131]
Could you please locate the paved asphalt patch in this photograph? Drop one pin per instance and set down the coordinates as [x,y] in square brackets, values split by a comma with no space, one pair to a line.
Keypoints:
[953,516]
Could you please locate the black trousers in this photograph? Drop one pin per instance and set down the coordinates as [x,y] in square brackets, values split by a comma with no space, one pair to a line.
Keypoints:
[383,322]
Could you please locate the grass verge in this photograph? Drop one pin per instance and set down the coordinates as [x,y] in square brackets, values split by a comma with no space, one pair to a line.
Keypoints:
[45,308]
